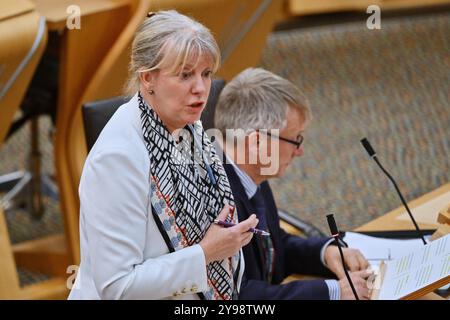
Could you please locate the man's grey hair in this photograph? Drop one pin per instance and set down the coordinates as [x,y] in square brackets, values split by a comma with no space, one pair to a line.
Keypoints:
[258,99]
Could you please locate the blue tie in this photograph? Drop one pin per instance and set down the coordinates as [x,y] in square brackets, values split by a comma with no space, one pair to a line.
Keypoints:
[266,242]
[260,205]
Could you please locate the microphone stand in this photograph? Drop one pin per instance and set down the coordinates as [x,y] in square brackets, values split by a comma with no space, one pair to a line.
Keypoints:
[373,155]
[335,234]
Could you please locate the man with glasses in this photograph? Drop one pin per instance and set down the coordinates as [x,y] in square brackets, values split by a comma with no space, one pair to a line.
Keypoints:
[272,115]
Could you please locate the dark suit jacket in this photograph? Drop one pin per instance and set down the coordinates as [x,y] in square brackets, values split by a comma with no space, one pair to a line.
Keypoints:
[292,254]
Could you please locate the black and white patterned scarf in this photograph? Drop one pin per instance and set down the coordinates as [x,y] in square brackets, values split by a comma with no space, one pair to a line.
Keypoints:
[183,195]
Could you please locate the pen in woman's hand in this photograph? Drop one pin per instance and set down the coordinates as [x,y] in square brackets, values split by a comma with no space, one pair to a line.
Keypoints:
[229,224]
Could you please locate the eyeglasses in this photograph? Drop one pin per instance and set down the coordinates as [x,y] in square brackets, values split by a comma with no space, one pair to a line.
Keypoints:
[297,142]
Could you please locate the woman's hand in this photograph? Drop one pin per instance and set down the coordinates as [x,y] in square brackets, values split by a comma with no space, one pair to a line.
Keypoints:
[220,243]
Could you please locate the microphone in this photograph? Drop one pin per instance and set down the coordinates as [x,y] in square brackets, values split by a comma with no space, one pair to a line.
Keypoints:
[335,234]
[368,147]
[373,155]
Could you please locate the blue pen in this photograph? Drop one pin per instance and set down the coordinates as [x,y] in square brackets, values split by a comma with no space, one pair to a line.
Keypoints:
[254,230]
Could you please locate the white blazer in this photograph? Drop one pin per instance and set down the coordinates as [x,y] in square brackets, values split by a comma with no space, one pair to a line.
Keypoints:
[123,255]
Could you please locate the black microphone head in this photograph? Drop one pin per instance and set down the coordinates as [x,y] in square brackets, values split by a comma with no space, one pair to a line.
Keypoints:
[332,224]
[368,147]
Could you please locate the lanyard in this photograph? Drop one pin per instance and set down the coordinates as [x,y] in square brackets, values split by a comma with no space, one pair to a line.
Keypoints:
[205,159]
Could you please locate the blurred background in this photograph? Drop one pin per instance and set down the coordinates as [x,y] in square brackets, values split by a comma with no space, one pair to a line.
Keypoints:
[390,85]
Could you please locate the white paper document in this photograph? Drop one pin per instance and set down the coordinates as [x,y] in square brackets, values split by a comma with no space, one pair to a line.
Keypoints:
[416,269]
[377,249]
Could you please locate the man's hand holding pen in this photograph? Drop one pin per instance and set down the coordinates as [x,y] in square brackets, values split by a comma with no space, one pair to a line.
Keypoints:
[220,243]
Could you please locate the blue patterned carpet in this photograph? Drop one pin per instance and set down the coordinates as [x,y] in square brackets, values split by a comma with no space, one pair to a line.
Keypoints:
[389,85]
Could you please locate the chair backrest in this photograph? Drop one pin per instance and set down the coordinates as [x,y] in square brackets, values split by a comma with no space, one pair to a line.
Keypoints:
[24,36]
[97,114]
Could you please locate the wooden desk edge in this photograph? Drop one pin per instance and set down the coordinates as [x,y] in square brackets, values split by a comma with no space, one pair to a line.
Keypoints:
[389,219]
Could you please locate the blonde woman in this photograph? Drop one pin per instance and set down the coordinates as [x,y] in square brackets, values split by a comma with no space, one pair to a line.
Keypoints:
[152,184]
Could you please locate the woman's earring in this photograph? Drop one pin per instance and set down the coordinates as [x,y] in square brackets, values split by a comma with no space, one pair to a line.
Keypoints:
[151,92]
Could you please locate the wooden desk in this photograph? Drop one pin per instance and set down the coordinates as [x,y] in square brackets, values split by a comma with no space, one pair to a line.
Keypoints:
[390,220]
[80,52]
[304,7]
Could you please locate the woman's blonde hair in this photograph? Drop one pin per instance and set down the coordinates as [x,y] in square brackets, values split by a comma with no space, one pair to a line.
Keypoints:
[169,40]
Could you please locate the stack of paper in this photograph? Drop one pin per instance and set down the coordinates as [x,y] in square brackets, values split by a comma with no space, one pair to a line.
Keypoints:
[417,272]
